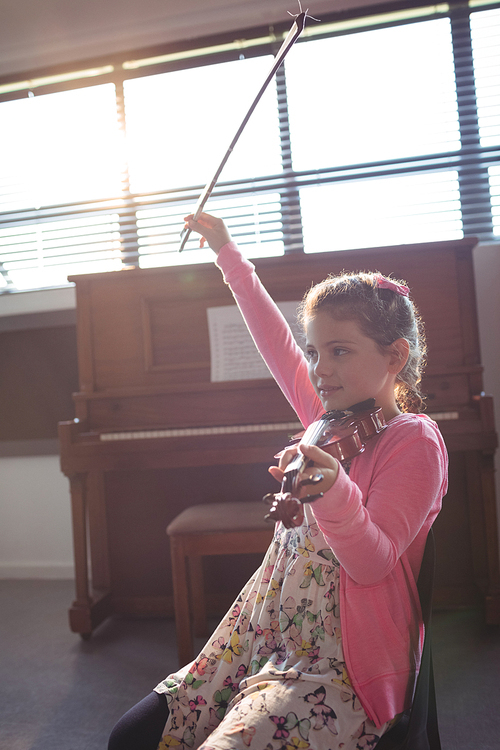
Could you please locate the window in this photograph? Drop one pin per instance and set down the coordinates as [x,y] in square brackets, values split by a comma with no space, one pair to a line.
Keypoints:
[485,34]
[376,95]
[175,139]
[404,105]
[382,211]
[64,148]
[377,131]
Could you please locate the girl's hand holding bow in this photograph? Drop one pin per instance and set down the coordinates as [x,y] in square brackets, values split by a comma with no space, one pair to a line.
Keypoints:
[212,230]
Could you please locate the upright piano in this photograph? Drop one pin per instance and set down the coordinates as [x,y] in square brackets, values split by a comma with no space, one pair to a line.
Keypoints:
[153,434]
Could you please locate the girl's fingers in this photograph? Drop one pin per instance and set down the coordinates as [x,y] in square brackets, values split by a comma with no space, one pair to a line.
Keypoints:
[211,228]
[204,220]
[320,457]
[286,456]
[319,476]
[192,223]
[276,473]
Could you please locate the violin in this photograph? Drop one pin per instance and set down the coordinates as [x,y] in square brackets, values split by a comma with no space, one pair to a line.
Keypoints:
[342,434]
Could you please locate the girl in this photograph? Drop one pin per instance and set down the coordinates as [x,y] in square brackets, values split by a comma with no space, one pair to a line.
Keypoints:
[321,648]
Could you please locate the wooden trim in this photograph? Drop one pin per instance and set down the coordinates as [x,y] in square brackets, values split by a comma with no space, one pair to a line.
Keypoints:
[84,618]
[468,307]
[78,484]
[149,363]
[19,448]
[33,321]
[98,531]
[84,337]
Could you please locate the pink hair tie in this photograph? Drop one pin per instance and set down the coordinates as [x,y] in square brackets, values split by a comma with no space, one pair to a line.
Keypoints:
[384,283]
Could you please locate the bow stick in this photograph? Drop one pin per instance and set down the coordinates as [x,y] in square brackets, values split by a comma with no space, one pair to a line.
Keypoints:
[293,34]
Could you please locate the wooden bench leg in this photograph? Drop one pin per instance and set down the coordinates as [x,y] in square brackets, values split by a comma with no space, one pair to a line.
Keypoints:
[198,604]
[181,602]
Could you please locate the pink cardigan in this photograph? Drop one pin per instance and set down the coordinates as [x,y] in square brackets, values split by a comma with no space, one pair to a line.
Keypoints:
[376,519]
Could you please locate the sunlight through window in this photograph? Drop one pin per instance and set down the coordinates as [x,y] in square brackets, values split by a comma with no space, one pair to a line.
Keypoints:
[45,254]
[360,134]
[388,211]
[485,31]
[180,124]
[373,96]
[63,148]
[494,175]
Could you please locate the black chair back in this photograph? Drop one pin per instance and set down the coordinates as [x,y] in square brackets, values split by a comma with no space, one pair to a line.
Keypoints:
[418,727]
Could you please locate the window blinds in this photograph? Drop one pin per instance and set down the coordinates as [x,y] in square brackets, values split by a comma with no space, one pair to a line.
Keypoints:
[373,135]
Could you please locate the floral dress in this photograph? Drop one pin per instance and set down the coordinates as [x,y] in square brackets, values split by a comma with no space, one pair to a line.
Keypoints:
[272,676]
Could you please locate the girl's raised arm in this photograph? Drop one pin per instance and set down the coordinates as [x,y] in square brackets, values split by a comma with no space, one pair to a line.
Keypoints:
[269,329]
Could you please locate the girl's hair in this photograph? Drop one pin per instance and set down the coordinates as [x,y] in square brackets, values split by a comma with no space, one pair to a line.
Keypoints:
[383,314]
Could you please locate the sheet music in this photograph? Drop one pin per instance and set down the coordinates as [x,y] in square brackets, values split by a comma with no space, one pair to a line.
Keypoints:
[233,354]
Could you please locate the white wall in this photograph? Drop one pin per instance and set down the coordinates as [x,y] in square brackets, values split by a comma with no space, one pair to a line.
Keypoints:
[35,517]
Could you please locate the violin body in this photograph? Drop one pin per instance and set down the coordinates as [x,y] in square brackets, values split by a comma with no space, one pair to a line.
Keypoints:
[341,434]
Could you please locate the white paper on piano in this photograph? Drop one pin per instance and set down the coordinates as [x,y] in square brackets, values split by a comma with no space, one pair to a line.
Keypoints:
[233,355]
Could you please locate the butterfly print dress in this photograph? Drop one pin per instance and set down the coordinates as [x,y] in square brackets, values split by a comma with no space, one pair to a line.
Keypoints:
[272,676]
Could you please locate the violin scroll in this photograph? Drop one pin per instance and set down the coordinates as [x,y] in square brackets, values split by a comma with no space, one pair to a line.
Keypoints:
[284,508]
[287,509]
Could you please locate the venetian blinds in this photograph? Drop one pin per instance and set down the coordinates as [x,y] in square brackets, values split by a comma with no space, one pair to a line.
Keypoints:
[61,179]
[168,149]
[485,38]
[377,131]
[376,178]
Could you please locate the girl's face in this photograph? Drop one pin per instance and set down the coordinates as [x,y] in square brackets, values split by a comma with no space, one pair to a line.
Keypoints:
[346,366]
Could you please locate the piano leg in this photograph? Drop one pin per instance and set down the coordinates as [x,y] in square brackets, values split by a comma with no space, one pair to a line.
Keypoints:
[181,602]
[492,599]
[88,609]
[483,530]
[98,532]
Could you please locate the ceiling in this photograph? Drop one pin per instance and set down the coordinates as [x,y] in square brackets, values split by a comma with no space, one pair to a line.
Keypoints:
[37,34]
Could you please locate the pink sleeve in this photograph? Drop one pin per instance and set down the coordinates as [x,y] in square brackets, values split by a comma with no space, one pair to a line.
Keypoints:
[370,529]
[270,332]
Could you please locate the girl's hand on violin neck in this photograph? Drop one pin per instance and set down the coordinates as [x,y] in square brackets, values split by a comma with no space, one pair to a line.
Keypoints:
[212,230]
[320,462]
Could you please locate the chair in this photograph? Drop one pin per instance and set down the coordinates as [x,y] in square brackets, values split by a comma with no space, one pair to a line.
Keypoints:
[418,727]
[209,529]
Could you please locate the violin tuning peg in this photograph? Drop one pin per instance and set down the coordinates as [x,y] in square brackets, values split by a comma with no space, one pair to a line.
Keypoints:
[315,479]
[311,498]
[269,498]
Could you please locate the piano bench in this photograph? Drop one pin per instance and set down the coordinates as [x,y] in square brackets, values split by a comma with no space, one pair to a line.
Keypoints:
[208,529]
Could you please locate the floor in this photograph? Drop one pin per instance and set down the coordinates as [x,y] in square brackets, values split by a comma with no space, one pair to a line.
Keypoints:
[58,691]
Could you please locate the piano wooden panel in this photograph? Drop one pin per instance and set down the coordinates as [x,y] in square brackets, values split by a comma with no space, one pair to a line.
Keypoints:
[152,434]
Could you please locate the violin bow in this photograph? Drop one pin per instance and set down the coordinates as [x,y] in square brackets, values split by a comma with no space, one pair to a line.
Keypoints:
[293,34]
